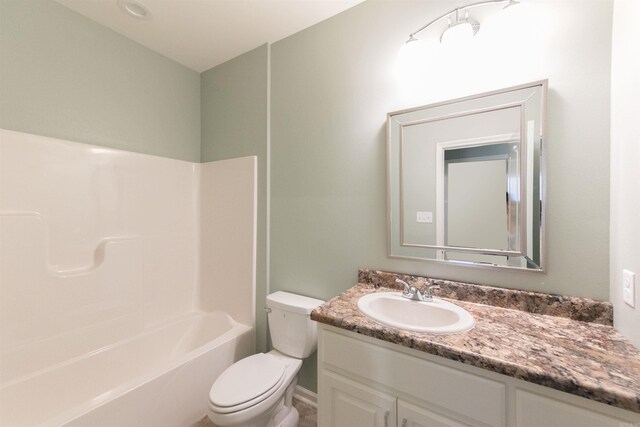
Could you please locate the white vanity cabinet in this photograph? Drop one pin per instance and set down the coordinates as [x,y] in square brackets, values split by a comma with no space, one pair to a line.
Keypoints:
[366,382]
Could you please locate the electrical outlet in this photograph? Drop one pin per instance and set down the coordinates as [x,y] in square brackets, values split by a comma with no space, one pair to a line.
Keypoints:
[424,216]
[629,287]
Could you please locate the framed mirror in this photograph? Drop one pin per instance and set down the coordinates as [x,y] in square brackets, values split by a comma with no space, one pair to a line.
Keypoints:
[466,180]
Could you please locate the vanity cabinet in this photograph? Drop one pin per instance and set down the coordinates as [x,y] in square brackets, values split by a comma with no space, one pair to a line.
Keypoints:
[365,382]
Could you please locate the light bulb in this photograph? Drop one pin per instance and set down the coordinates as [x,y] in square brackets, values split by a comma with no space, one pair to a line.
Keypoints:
[460,30]
[458,33]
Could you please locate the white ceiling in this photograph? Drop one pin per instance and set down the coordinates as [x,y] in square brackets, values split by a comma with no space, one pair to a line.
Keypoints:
[201,34]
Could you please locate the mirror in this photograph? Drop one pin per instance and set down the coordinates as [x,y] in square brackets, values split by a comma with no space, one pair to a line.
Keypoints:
[466,180]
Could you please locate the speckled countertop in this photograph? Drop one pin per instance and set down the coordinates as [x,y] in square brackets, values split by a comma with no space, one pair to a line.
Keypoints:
[582,358]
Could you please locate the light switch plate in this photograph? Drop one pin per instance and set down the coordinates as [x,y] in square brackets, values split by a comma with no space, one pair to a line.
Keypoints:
[629,287]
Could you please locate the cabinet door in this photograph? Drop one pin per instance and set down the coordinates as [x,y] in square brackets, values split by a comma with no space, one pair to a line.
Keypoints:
[414,416]
[533,410]
[346,403]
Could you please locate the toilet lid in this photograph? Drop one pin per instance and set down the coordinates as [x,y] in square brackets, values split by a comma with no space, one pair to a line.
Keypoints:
[252,377]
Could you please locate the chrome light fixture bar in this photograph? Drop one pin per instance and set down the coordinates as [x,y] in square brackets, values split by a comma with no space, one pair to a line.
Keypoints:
[455,19]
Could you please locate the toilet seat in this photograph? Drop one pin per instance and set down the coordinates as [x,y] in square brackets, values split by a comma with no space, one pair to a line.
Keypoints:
[246,383]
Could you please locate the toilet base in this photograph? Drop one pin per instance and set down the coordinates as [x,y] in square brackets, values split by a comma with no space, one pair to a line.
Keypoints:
[291,419]
[286,415]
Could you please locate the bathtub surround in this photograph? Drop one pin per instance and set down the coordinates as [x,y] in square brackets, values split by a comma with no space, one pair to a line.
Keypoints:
[64,76]
[227,233]
[100,254]
[90,236]
[586,359]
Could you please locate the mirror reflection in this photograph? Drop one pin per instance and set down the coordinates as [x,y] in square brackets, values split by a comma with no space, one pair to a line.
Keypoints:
[465,179]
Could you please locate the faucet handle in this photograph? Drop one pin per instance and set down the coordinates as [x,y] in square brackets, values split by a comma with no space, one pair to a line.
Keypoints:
[407,287]
[427,291]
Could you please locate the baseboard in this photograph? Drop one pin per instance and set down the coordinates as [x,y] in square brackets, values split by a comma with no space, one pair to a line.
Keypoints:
[306,396]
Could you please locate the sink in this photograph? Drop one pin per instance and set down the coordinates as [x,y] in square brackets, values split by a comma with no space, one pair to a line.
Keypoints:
[437,316]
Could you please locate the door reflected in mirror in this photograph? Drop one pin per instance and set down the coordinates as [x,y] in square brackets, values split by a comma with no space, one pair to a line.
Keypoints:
[466,180]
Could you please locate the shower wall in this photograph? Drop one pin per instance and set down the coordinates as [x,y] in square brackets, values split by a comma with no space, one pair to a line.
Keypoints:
[98,244]
[228,235]
[93,240]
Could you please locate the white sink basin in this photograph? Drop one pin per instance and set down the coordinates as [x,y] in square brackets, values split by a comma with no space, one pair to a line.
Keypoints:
[437,316]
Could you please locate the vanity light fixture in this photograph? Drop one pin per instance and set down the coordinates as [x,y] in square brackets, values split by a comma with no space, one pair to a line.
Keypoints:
[460,23]
[135,9]
[460,28]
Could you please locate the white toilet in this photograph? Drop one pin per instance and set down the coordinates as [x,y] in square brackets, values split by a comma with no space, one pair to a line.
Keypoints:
[257,390]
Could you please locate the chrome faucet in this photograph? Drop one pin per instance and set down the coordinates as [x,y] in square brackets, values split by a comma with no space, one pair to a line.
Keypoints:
[409,291]
[413,293]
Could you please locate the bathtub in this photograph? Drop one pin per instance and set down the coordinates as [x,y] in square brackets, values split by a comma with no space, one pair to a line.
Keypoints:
[159,377]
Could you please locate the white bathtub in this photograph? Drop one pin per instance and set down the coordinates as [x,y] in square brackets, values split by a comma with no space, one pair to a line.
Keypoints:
[160,377]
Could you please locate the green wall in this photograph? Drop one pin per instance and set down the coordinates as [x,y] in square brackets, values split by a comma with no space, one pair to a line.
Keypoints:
[65,76]
[331,88]
[235,124]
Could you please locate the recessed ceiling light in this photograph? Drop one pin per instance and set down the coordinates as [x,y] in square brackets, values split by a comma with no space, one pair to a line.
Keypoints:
[135,9]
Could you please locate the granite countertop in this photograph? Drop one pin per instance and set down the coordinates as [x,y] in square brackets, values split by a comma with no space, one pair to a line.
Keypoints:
[587,359]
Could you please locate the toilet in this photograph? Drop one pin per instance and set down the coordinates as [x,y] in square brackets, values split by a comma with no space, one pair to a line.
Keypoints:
[257,391]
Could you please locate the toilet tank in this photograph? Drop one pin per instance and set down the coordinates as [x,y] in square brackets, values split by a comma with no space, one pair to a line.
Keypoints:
[292,330]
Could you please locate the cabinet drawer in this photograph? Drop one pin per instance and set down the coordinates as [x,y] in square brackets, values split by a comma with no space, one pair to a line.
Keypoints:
[474,397]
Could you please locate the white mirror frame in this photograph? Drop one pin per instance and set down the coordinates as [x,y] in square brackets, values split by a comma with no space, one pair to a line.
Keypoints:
[468,105]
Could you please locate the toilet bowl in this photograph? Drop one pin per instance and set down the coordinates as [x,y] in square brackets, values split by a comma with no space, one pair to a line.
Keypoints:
[253,390]
[257,391]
